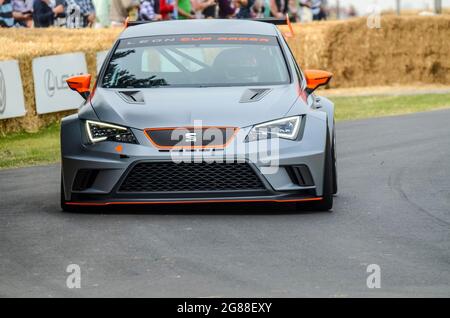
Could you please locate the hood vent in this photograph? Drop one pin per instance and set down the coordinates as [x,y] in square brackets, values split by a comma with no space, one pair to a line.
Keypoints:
[132,97]
[254,95]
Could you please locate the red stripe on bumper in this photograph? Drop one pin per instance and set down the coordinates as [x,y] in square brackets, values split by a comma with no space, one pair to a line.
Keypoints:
[189,202]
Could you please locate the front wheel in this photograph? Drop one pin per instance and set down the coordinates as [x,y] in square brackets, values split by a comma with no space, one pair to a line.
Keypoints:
[334,158]
[326,203]
[64,206]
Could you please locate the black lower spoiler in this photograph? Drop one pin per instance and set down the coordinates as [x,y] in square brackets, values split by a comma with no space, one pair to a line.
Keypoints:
[275,21]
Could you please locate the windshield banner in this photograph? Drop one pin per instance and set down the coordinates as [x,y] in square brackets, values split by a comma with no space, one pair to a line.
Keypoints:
[197,39]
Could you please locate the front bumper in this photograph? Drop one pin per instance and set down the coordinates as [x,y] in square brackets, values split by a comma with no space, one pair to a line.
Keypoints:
[113,163]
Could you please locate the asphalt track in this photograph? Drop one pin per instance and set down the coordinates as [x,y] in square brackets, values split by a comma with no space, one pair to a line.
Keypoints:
[393,209]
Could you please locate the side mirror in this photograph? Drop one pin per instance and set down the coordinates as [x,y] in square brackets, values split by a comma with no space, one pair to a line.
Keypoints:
[316,78]
[80,84]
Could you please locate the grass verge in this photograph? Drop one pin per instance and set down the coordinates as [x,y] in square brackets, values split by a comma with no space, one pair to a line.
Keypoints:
[359,107]
[25,149]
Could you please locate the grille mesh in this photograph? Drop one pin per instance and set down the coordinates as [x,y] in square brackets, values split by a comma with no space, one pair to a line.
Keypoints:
[181,177]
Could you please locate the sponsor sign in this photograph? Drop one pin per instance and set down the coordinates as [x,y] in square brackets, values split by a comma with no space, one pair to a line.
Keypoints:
[50,74]
[101,56]
[12,102]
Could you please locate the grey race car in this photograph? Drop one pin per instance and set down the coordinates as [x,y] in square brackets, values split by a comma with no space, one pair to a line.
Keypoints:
[197,112]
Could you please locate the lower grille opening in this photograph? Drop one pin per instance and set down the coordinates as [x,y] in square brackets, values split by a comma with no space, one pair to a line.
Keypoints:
[300,175]
[84,179]
[191,177]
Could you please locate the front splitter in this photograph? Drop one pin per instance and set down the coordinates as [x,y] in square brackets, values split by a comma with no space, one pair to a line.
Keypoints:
[193,201]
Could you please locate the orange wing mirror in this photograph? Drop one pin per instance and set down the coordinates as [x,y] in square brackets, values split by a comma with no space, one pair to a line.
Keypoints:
[80,84]
[316,78]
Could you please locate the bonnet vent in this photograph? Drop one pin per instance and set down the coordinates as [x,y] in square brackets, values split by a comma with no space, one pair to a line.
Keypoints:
[254,95]
[132,97]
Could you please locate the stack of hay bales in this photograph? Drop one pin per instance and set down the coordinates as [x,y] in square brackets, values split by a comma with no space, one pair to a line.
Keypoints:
[405,50]
[26,44]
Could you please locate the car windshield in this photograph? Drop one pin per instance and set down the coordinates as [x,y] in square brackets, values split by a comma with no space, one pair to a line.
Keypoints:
[196,61]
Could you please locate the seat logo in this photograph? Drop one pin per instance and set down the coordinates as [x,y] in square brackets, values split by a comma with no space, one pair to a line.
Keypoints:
[190,137]
[2,93]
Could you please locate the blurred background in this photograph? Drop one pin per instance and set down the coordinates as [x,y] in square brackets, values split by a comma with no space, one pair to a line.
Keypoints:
[113,13]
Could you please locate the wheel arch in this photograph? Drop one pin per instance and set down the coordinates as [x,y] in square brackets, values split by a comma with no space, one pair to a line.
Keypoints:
[327,106]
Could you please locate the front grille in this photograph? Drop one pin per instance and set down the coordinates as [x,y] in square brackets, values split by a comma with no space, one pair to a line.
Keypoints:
[191,137]
[190,177]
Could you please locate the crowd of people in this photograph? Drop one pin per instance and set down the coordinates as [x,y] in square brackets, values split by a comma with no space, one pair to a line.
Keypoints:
[113,13]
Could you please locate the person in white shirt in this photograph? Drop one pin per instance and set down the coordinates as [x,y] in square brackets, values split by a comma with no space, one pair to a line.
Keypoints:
[317,8]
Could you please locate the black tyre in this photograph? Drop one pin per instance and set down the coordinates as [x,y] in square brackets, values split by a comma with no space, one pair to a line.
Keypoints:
[326,203]
[334,160]
[64,206]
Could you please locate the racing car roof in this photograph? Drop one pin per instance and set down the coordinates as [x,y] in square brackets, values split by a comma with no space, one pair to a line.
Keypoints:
[200,26]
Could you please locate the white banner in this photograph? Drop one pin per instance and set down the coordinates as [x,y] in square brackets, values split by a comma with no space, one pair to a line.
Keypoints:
[50,73]
[101,56]
[12,102]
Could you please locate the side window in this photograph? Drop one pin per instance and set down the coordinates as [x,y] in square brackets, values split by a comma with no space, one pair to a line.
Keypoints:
[300,76]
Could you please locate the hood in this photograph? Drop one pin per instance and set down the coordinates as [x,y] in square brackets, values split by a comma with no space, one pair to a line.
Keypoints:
[180,107]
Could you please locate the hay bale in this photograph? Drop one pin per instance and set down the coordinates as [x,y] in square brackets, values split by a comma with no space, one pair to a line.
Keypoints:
[26,44]
[406,50]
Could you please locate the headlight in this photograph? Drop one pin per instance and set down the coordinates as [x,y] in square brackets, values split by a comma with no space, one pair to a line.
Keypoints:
[286,128]
[98,131]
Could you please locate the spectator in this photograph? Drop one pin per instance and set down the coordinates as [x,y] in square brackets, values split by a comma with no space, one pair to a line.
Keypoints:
[165,9]
[318,10]
[149,10]
[6,14]
[258,9]
[45,12]
[23,12]
[204,8]
[120,9]
[102,13]
[278,8]
[226,9]
[304,10]
[245,9]
[209,9]
[87,11]
[184,9]
[293,10]
[351,12]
